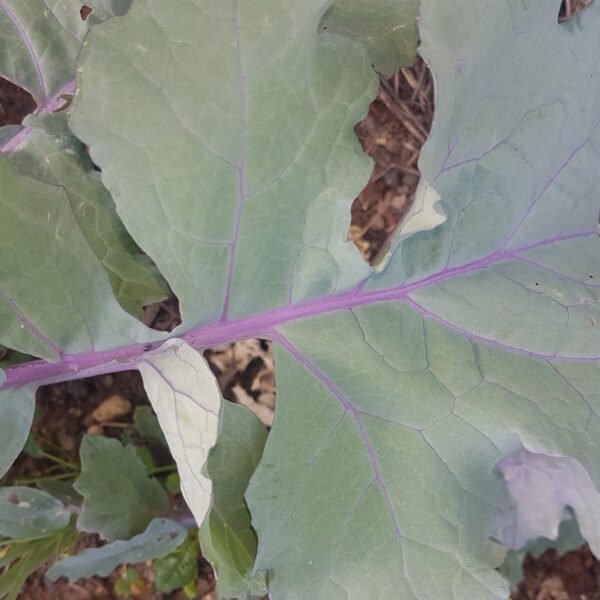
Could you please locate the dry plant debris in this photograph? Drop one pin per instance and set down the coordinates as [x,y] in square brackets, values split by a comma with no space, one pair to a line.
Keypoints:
[392,133]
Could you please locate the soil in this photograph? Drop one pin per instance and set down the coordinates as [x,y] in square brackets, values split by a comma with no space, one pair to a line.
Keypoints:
[15,103]
[393,132]
[573,576]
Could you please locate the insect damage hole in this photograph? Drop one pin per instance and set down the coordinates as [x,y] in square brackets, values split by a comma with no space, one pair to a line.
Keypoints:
[570,8]
[246,375]
[393,132]
[85,12]
[164,315]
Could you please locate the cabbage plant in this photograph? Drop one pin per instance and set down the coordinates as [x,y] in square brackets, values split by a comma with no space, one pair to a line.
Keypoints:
[434,410]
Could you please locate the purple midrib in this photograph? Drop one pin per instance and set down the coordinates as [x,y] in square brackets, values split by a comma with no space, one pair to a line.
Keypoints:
[265,324]
[29,45]
[48,107]
[357,417]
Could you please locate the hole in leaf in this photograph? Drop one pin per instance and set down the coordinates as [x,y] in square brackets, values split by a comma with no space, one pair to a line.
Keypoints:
[163,316]
[392,133]
[245,372]
[15,103]
[569,8]
[85,12]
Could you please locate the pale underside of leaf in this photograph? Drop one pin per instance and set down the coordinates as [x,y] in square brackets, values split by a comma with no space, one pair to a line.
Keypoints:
[536,481]
[186,398]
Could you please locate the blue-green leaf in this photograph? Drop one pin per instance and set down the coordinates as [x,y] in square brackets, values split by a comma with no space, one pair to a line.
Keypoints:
[161,537]
[120,499]
[29,513]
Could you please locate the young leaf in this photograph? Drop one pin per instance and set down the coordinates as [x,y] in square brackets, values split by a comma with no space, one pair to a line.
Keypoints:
[226,537]
[120,499]
[388,28]
[16,416]
[177,569]
[187,400]
[147,425]
[29,513]
[161,537]
[61,490]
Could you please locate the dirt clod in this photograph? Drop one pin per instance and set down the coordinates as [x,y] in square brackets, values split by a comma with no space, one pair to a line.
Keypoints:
[113,407]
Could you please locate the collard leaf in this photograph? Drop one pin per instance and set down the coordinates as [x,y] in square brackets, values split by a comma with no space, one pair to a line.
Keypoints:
[161,537]
[388,28]
[16,416]
[513,156]
[55,296]
[147,425]
[61,490]
[69,12]
[186,398]
[41,39]
[214,116]
[52,155]
[104,9]
[120,499]
[227,538]
[421,415]
[29,513]
[178,569]
[397,398]
[37,52]
[365,468]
